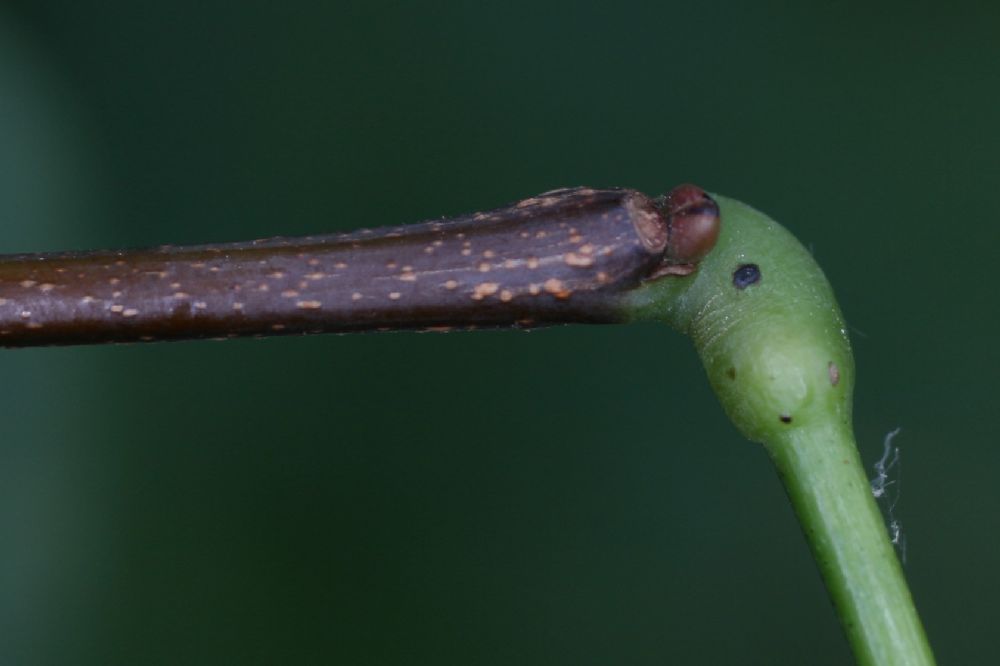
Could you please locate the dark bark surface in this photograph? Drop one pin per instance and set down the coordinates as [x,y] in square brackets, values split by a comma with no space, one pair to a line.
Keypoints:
[561,257]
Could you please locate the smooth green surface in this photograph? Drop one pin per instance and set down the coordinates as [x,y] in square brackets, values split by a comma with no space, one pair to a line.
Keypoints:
[822,473]
[490,498]
[777,353]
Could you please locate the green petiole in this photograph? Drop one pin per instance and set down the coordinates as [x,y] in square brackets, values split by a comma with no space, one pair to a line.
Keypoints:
[773,342]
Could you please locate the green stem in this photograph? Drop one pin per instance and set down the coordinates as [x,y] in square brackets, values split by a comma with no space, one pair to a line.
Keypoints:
[774,345]
[825,481]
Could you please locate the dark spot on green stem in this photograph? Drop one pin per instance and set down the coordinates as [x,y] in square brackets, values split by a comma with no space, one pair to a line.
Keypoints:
[746,275]
[785,418]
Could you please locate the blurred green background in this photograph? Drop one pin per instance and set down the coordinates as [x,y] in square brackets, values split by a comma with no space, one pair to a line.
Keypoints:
[568,496]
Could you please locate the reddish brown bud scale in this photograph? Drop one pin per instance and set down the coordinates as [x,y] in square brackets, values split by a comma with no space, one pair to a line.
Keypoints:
[693,220]
[566,256]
